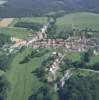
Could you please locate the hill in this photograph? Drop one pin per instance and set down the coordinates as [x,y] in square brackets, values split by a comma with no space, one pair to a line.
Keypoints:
[19,8]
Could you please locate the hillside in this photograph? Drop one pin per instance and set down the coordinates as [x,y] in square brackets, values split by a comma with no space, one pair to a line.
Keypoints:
[18,8]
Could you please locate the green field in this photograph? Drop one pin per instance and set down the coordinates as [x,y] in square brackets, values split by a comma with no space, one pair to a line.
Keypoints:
[40,20]
[16,32]
[78,21]
[21,78]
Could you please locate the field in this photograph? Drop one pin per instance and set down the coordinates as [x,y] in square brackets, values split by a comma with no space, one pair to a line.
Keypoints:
[6,22]
[21,78]
[66,23]
[41,20]
[19,32]
[78,21]
[16,32]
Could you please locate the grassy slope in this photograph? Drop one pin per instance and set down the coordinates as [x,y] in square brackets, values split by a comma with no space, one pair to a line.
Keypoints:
[16,32]
[41,20]
[20,76]
[78,20]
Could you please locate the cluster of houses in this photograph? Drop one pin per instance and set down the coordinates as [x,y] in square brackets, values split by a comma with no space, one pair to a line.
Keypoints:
[40,40]
[74,44]
[54,66]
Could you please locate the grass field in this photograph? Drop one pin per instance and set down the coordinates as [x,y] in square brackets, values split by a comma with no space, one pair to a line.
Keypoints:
[79,21]
[40,20]
[21,78]
[16,32]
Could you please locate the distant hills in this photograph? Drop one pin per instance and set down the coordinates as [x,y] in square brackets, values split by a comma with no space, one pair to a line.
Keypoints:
[18,8]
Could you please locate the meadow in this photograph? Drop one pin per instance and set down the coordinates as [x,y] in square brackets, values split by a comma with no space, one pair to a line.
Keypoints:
[15,32]
[79,20]
[41,20]
[21,77]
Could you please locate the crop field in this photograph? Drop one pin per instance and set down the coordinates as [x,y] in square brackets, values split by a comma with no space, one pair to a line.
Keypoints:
[78,21]
[6,22]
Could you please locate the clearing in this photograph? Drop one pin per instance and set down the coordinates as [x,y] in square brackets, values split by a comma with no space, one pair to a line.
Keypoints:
[6,22]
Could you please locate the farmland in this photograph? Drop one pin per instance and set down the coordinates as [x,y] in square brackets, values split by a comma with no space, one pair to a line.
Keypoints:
[9,29]
[66,23]
[6,22]
[79,21]
[16,32]
[20,76]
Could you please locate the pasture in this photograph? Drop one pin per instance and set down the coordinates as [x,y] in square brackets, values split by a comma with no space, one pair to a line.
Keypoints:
[21,77]
[39,20]
[16,32]
[79,20]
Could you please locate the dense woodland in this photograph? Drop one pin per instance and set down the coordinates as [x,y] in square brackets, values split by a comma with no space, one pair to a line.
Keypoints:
[80,88]
[19,8]
[4,39]
[5,61]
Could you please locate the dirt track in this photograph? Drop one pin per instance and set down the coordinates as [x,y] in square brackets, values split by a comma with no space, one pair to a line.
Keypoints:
[6,22]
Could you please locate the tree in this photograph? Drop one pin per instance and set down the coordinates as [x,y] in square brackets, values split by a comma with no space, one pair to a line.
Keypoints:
[86,56]
[4,39]
[5,62]
[4,88]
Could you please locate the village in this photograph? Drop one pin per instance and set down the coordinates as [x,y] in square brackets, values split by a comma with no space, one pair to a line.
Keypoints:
[72,44]
[40,40]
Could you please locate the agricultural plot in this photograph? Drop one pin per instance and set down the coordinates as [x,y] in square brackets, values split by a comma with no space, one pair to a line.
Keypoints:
[16,32]
[6,22]
[39,20]
[78,21]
